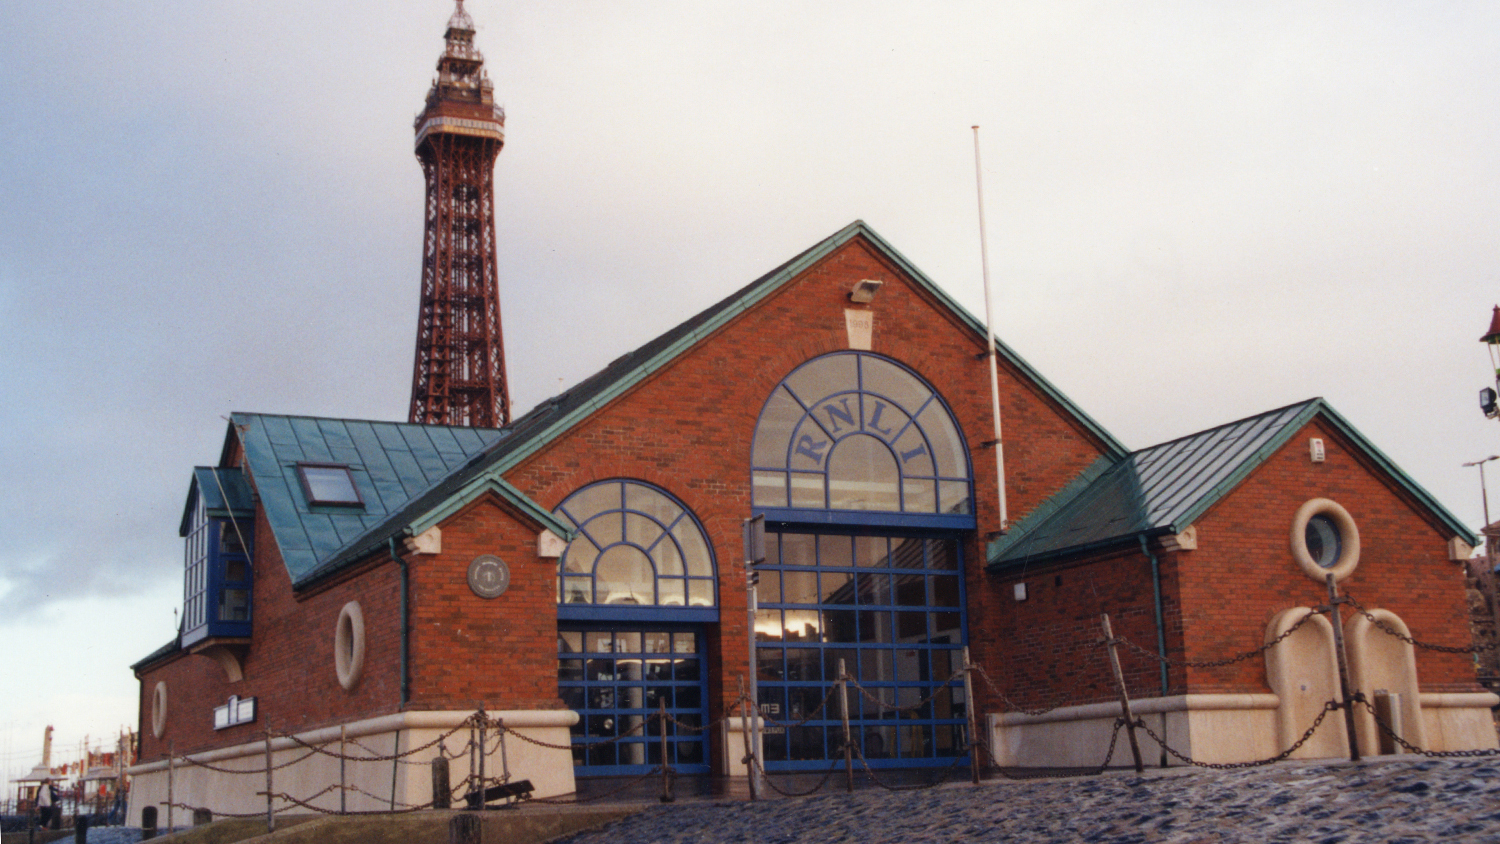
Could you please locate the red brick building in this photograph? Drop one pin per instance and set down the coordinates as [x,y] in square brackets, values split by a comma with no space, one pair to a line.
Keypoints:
[584,567]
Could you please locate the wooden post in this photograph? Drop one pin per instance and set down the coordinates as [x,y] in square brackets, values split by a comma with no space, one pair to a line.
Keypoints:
[1338,643]
[504,758]
[745,732]
[844,717]
[1114,664]
[343,789]
[666,767]
[270,809]
[464,828]
[442,792]
[976,765]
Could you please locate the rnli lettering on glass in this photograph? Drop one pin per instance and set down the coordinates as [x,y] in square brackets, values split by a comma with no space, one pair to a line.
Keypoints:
[855,431]
[879,419]
[489,576]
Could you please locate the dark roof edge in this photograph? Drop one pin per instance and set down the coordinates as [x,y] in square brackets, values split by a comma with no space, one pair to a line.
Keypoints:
[1047,509]
[1121,541]
[170,649]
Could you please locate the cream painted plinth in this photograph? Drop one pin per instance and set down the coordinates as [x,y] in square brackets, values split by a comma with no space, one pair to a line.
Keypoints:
[1460,721]
[1209,728]
[369,785]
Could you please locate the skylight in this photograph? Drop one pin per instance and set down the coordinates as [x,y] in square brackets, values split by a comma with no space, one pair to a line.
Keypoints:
[329,484]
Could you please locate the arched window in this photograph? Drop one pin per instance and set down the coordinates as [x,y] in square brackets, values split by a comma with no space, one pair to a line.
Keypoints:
[853,431]
[635,546]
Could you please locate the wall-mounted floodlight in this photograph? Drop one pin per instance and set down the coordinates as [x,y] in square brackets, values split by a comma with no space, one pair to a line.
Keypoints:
[864,291]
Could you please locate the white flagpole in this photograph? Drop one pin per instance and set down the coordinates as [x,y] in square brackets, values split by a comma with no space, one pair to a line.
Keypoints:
[989,329]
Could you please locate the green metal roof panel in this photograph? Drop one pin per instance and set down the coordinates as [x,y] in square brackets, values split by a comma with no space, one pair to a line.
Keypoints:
[1165,488]
[390,464]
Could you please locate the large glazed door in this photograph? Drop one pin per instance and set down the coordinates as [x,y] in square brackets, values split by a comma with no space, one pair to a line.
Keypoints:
[616,677]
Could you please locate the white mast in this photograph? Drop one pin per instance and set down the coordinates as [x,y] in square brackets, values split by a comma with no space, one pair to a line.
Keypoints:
[989,330]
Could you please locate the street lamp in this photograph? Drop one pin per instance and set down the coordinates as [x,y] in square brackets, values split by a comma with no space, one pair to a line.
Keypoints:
[1487,397]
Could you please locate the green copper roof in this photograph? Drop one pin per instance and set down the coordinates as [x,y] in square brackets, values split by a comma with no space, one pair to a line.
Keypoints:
[1165,488]
[225,495]
[391,464]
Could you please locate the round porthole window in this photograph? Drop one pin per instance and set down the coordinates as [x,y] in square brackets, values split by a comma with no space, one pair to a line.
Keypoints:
[159,710]
[1325,540]
[349,645]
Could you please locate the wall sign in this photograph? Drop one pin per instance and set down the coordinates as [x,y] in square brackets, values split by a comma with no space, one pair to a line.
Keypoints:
[489,576]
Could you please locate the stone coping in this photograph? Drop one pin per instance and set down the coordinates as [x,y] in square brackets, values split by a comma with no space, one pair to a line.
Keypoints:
[416,720]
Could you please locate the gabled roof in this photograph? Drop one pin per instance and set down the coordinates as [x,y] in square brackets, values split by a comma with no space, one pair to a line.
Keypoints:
[225,495]
[553,417]
[391,464]
[1165,488]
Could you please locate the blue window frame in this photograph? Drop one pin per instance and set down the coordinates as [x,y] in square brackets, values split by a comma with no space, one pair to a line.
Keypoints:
[864,479]
[637,552]
[855,434]
[616,676]
[217,578]
[892,609]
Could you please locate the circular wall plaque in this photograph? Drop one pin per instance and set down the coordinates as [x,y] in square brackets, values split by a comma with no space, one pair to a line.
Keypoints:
[489,576]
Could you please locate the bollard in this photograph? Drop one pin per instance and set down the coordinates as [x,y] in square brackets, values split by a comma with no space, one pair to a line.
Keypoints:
[148,823]
[666,765]
[81,829]
[1388,712]
[202,817]
[442,792]
[465,828]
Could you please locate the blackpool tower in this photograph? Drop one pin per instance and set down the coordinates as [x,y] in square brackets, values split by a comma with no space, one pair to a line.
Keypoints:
[459,376]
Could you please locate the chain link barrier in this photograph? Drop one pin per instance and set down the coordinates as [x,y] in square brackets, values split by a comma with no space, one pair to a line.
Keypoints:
[479,720]
[1389,630]
[1412,748]
[1219,663]
[1330,706]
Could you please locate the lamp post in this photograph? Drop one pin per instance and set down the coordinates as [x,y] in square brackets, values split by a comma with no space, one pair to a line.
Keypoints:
[1487,396]
[1485,580]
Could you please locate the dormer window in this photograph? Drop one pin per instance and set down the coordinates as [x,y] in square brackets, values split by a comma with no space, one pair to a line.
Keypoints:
[329,485]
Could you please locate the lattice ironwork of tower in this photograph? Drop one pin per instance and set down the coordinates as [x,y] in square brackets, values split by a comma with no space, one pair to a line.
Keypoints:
[459,376]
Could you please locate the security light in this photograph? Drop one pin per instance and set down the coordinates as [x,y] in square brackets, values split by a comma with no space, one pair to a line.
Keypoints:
[864,291]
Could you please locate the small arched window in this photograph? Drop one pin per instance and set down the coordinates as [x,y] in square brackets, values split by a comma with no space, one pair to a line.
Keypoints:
[854,431]
[635,546]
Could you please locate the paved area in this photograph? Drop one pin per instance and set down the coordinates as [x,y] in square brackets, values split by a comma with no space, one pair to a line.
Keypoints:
[1376,801]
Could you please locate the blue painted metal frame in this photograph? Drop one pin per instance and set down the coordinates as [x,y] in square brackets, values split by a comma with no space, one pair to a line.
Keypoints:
[778,695]
[917,518]
[600,697]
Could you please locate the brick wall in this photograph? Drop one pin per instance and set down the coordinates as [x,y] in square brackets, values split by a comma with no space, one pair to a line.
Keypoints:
[289,668]
[1243,572]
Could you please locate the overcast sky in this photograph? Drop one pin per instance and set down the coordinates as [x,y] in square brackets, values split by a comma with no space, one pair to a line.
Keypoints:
[1197,211]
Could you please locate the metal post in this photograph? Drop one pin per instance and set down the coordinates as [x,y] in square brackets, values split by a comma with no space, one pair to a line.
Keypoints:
[504,757]
[395,766]
[666,767]
[1114,664]
[270,806]
[844,717]
[972,711]
[171,781]
[484,746]
[754,714]
[343,790]
[1338,643]
[745,732]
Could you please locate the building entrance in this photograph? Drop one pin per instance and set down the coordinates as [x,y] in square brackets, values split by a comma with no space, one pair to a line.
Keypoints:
[891,609]
[616,676]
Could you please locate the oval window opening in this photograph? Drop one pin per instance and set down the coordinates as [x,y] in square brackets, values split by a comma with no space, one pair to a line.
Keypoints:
[1323,542]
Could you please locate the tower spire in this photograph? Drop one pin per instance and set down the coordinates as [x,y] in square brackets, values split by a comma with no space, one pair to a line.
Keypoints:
[459,374]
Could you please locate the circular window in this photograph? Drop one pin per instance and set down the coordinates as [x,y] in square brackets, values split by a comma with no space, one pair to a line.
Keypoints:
[159,710]
[349,645]
[1325,540]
